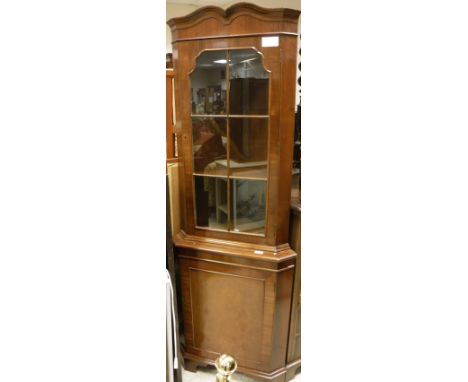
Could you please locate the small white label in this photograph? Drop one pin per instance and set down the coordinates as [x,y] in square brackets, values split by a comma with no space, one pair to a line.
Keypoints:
[258,252]
[270,41]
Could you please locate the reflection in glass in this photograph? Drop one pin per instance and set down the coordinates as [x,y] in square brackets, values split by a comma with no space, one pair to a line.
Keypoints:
[208,83]
[248,92]
[248,205]
[211,202]
[248,147]
[230,142]
[209,146]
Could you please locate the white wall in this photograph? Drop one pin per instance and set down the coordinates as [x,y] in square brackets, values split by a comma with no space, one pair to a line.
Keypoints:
[175,10]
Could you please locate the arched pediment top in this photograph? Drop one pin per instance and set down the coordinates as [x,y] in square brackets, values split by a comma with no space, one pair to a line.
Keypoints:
[226,16]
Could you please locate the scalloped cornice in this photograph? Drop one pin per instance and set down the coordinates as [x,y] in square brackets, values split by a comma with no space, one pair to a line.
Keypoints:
[227,15]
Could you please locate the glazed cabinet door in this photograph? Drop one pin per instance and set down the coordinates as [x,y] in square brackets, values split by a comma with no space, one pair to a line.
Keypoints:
[229,129]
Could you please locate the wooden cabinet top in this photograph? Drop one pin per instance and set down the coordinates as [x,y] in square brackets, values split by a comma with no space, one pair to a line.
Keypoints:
[242,19]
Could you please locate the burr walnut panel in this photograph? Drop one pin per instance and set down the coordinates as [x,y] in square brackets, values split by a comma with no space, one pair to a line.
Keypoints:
[242,302]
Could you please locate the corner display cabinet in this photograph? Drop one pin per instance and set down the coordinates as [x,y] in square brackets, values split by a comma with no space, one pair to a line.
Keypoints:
[235,78]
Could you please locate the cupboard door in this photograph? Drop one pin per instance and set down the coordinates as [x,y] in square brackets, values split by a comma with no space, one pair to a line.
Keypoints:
[230,309]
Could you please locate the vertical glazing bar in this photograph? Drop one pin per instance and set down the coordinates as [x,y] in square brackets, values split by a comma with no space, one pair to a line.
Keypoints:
[228,141]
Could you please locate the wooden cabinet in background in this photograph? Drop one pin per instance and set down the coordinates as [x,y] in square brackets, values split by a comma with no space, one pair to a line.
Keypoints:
[170,137]
[235,77]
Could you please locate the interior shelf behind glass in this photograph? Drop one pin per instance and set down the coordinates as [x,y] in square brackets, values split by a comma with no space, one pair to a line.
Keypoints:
[230,141]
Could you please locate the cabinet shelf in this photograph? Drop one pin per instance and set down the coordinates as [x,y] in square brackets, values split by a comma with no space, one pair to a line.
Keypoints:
[245,170]
[228,116]
[208,115]
[244,225]
[247,116]
[210,175]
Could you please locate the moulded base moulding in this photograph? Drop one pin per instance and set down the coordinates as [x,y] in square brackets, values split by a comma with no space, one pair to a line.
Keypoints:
[292,368]
[191,362]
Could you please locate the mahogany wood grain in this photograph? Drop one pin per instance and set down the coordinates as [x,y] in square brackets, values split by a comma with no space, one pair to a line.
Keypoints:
[236,289]
[236,21]
[172,195]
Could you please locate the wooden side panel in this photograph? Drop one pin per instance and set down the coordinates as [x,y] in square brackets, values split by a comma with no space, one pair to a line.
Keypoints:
[286,137]
[294,345]
[282,316]
[174,193]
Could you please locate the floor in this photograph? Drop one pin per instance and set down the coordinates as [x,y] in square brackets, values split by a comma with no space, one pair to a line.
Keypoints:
[208,374]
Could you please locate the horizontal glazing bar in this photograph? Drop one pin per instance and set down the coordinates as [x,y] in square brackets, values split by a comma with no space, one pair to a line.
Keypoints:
[210,175]
[209,115]
[240,177]
[247,116]
[231,231]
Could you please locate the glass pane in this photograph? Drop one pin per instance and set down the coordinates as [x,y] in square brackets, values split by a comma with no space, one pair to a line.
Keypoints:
[248,147]
[248,85]
[209,146]
[208,83]
[211,202]
[248,205]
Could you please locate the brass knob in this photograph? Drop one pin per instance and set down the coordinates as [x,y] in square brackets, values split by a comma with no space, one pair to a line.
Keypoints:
[226,365]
